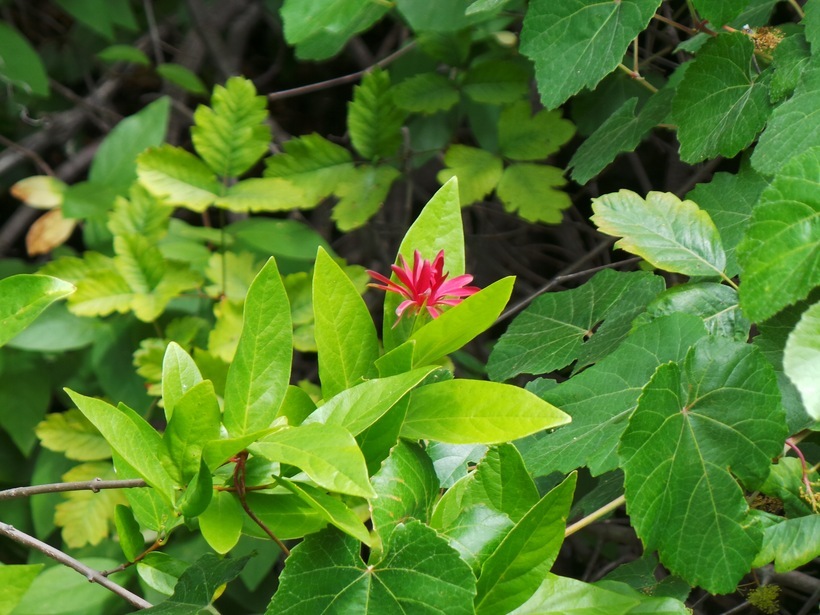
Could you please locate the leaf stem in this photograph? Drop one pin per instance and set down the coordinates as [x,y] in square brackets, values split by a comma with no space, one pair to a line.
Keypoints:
[592,517]
[637,76]
[729,281]
[92,575]
[675,24]
[157,544]
[94,485]
[797,8]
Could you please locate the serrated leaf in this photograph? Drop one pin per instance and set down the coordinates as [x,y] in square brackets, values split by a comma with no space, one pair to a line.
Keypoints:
[516,568]
[478,172]
[178,177]
[19,63]
[361,194]
[790,543]
[716,304]
[720,13]
[496,82]
[721,104]
[523,136]
[406,486]
[14,583]
[419,571]
[719,410]
[23,298]
[262,194]
[801,359]
[373,120]
[140,214]
[671,234]
[71,433]
[729,199]
[444,16]
[790,57]
[576,44]
[328,454]
[139,262]
[793,127]
[183,77]
[313,164]
[425,93]
[601,398]
[781,249]
[552,331]
[231,135]
[565,596]
[260,372]
[530,191]
[476,412]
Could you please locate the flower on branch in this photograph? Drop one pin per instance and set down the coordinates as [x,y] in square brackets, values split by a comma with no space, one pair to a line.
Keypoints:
[424,285]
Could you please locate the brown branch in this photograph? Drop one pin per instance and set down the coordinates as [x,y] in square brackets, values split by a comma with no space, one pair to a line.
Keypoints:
[96,485]
[92,575]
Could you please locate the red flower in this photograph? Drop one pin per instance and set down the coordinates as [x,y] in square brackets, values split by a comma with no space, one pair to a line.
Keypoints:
[424,285]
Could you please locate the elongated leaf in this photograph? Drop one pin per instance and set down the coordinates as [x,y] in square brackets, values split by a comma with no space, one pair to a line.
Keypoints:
[262,194]
[345,333]
[719,410]
[198,492]
[406,485]
[331,509]
[131,437]
[419,573]
[553,330]
[564,596]
[259,375]
[19,63]
[357,408]
[179,374]
[477,412]
[801,359]
[460,324]
[231,135]
[14,582]
[132,541]
[671,234]
[721,103]
[178,177]
[531,191]
[790,543]
[601,398]
[373,119]
[478,171]
[780,252]
[23,298]
[221,523]
[516,568]
[327,453]
[194,423]
[576,44]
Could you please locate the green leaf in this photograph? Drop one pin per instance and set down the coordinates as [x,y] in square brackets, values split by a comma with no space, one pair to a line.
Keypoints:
[564,596]
[217,452]
[719,410]
[496,82]
[523,136]
[720,13]
[361,194]
[345,334]
[14,582]
[124,53]
[160,571]
[791,543]
[576,44]
[178,177]
[71,433]
[19,63]
[195,422]
[477,412]
[374,122]
[419,573]
[444,16]
[313,164]
[425,93]
[221,522]
[790,57]
[131,437]
[140,214]
[262,194]
[331,509]
[131,539]
[729,199]
[553,330]
[517,567]
[461,323]
[232,275]
[114,163]
[90,200]
[260,372]
[478,172]
[406,486]
[530,191]
[25,396]
[670,234]
[793,127]
[801,359]
[358,407]
[287,515]
[152,510]
[24,297]
[200,585]
[139,262]
[476,533]
[198,492]
[601,398]
[231,135]
[179,374]
[56,330]
[450,460]
[183,77]
[321,29]
[781,249]
[716,304]
[282,238]
[328,454]
[721,104]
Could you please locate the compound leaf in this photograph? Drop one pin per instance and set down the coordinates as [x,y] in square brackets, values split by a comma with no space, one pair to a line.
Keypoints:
[478,172]
[373,120]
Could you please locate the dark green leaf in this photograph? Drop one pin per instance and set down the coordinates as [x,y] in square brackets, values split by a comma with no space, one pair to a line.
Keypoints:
[19,63]
[131,539]
[425,93]
[373,119]
[790,543]
[496,82]
[183,77]
[801,359]
[198,493]
[124,53]
[719,13]
[790,57]
[361,194]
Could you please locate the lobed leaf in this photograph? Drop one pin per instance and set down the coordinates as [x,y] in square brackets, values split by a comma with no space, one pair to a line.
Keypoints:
[478,171]
[361,194]
[530,191]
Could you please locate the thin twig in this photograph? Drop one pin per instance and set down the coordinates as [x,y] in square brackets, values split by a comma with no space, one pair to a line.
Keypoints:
[330,83]
[159,542]
[92,575]
[675,24]
[94,485]
[239,483]
[156,43]
[35,157]
[592,517]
